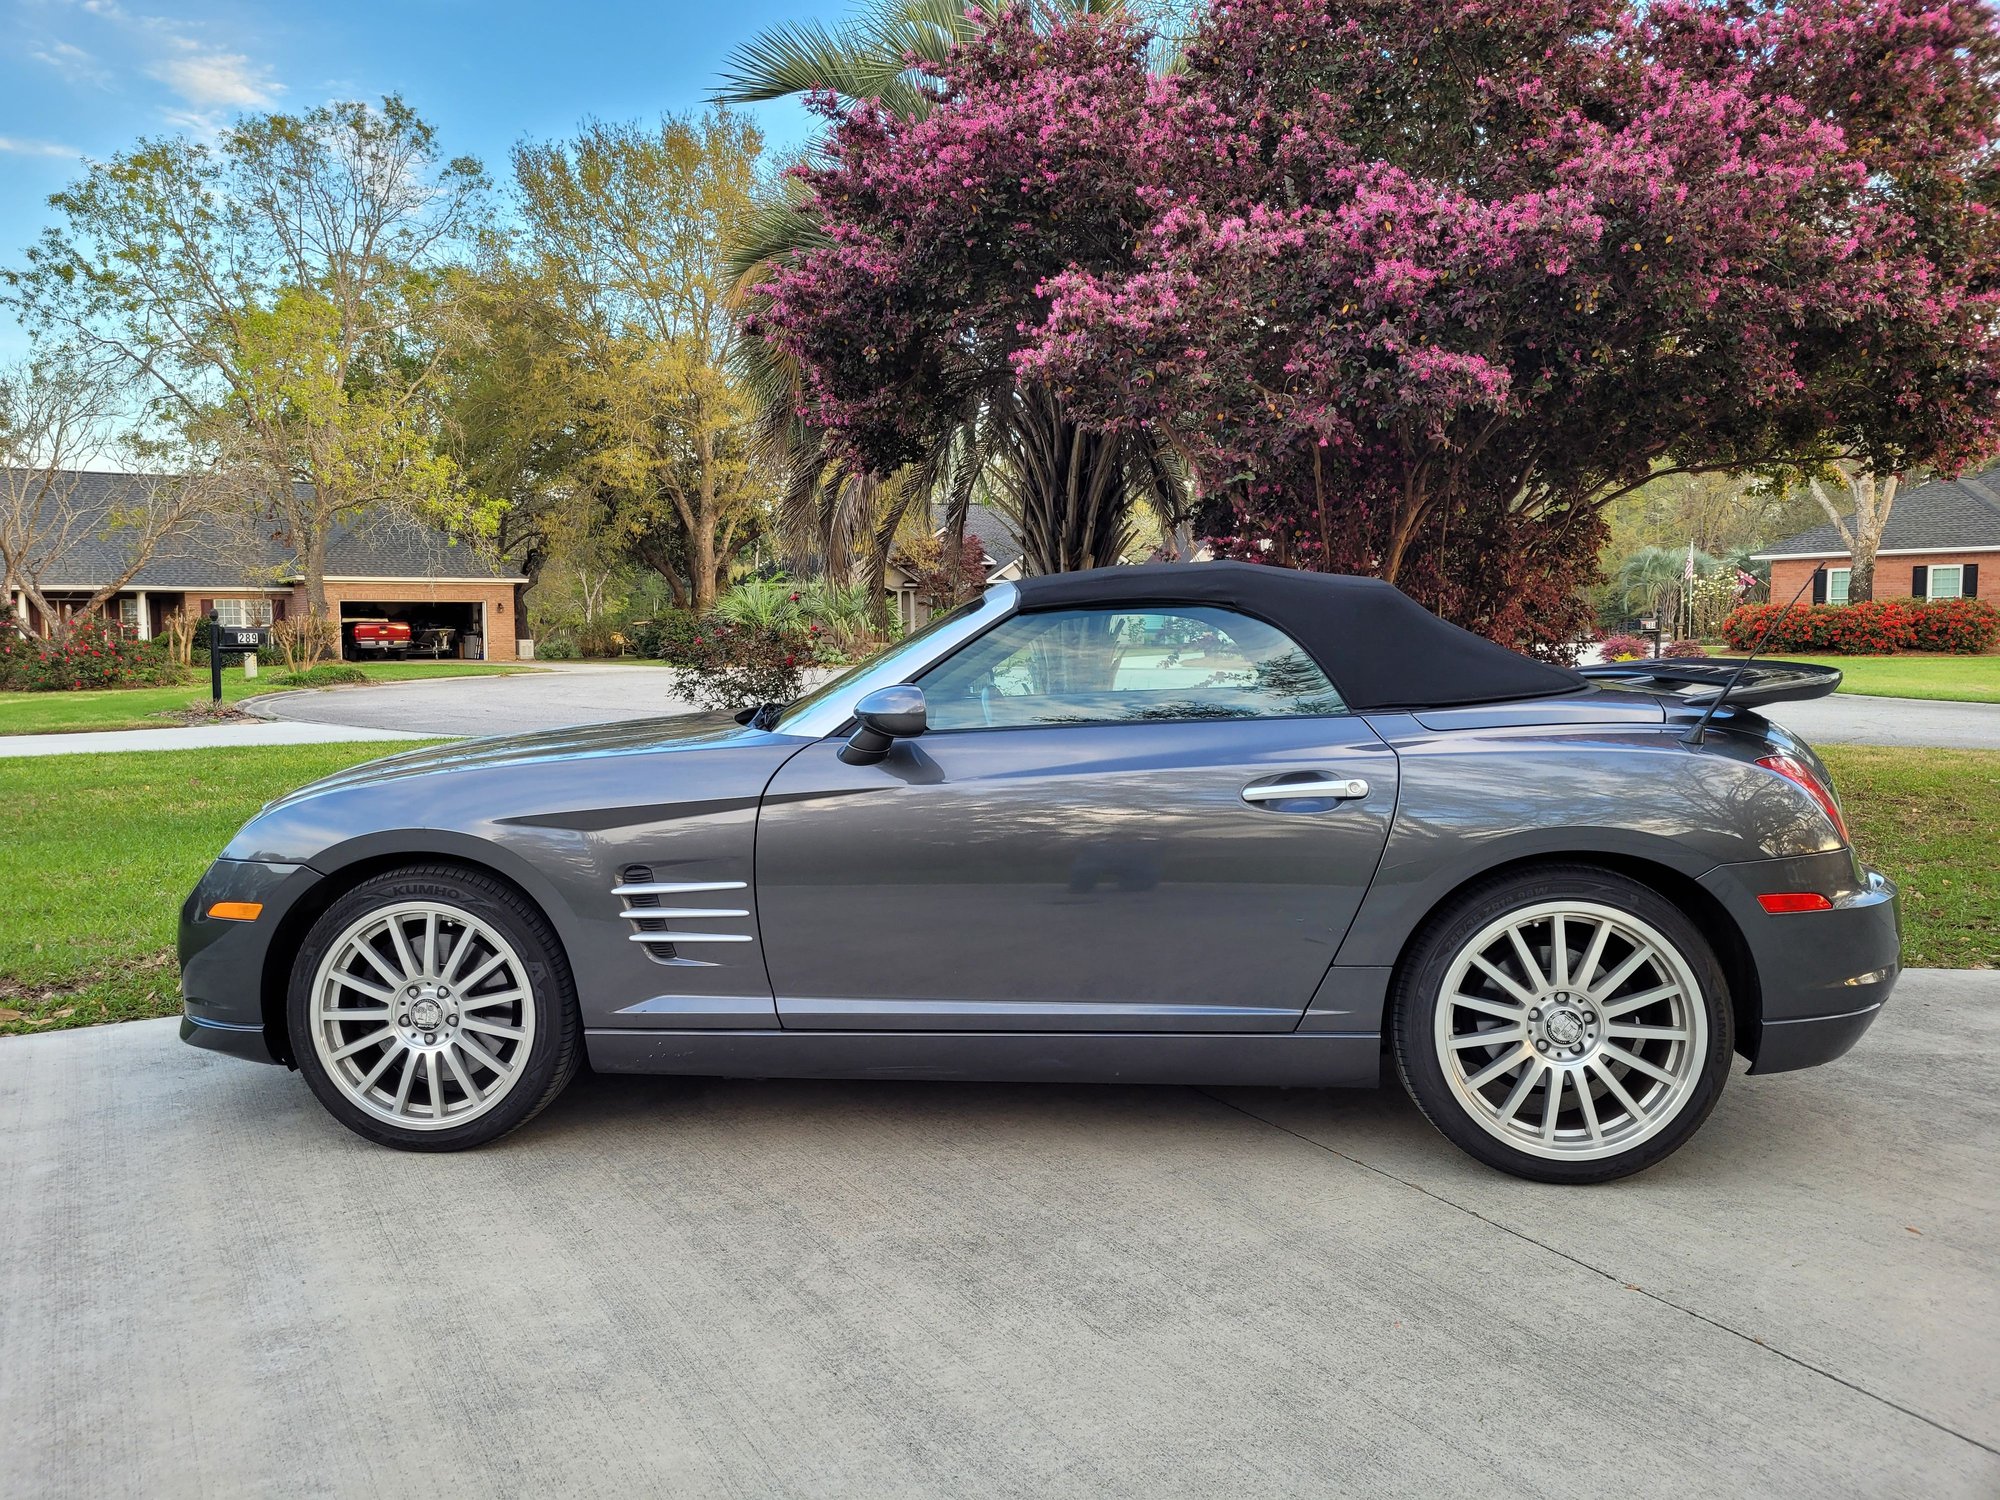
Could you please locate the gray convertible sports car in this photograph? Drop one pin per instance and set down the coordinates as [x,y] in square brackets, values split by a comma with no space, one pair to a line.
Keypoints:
[1208,824]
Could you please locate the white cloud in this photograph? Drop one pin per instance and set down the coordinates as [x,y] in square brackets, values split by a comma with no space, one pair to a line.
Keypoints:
[215,80]
[71,61]
[208,81]
[14,146]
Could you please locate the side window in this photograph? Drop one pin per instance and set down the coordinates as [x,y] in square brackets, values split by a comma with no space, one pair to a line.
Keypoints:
[1101,666]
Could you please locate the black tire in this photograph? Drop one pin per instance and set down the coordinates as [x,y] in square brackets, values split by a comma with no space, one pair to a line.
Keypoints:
[553,1052]
[1455,1110]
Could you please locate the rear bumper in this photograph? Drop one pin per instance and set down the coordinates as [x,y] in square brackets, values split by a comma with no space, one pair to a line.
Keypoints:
[1786,1045]
[1822,976]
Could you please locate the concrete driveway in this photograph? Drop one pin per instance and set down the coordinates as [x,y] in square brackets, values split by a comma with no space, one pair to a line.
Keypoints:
[587,694]
[668,1287]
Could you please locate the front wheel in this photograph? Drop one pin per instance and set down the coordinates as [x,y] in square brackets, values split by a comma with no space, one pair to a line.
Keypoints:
[431,1009]
[1564,1024]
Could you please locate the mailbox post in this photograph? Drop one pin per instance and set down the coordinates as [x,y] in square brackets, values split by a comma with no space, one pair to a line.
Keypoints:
[233,639]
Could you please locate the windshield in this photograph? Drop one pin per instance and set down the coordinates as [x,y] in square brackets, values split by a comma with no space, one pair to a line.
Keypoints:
[910,643]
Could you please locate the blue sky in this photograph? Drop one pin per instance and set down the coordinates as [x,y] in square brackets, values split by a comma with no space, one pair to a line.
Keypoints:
[85,78]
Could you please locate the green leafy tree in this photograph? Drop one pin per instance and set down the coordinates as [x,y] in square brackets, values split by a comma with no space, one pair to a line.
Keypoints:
[288,297]
[623,232]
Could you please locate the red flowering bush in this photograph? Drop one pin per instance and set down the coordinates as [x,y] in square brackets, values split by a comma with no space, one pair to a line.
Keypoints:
[1624,647]
[733,666]
[1685,649]
[91,653]
[1879,627]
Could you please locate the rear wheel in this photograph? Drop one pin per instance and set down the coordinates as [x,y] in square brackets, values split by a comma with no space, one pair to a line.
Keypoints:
[431,1010]
[1565,1024]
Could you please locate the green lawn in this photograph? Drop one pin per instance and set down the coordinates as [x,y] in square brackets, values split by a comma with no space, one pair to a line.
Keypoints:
[130,708]
[101,850]
[1970,679]
[1927,819]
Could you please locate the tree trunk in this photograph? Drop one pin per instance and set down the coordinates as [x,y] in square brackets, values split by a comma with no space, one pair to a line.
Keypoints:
[1070,487]
[1872,497]
[701,565]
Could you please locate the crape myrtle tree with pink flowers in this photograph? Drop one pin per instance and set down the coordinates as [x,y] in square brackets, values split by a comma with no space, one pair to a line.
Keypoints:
[966,162]
[1414,290]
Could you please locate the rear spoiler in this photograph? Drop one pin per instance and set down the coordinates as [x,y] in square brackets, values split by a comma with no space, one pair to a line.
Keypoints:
[1707,680]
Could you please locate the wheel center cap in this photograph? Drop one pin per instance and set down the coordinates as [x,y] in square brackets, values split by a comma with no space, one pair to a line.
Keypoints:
[426,1014]
[1564,1027]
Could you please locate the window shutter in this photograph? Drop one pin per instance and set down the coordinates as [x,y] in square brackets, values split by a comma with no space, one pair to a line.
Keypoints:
[277,611]
[1920,581]
[203,606]
[1819,585]
[1970,588]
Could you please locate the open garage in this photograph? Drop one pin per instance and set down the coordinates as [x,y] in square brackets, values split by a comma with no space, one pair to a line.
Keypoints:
[468,619]
[431,629]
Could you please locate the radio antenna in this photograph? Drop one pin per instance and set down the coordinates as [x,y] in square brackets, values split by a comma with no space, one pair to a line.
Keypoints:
[1694,735]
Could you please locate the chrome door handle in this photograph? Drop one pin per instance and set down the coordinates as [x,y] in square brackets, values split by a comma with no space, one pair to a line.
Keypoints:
[1317,786]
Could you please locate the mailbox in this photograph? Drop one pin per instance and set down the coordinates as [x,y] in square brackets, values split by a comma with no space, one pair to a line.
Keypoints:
[238,638]
[230,640]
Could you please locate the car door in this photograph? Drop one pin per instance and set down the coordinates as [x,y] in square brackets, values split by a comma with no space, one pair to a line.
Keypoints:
[1154,819]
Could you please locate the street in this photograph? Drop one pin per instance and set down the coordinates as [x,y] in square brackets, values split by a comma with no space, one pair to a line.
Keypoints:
[586,694]
[708,1288]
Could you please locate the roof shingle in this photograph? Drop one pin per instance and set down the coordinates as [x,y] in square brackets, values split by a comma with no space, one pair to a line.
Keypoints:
[1941,515]
[237,553]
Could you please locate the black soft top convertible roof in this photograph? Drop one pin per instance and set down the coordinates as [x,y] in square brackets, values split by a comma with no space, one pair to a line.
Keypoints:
[1378,646]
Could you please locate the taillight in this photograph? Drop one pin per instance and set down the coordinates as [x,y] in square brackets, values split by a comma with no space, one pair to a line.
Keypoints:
[1800,774]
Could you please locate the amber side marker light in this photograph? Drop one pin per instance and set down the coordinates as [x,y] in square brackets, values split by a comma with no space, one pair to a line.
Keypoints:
[237,911]
[1780,902]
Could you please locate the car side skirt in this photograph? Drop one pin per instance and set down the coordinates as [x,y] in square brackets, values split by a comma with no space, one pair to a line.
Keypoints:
[1321,1059]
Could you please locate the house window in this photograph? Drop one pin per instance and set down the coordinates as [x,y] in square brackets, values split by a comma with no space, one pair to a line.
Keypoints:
[1946,583]
[1836,585]
[128,612]
[243,613]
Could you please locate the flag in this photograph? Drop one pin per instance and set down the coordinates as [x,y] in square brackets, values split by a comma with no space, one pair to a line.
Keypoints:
[1690,567]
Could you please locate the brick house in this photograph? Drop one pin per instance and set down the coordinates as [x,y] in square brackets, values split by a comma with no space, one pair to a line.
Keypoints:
[377,567]
[1942,542]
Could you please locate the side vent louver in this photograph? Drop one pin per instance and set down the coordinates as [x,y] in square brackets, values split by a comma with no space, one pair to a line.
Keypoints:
[665,929]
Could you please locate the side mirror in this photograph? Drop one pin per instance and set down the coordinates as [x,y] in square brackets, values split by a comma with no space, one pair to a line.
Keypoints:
[887,715]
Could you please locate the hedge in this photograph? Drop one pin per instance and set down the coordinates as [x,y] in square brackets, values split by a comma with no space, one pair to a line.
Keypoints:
[1879,627]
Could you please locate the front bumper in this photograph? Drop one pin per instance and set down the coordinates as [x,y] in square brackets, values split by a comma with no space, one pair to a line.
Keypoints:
[224,968]
[1823,976]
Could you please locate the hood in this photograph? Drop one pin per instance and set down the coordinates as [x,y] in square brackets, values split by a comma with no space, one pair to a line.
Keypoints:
[624,737]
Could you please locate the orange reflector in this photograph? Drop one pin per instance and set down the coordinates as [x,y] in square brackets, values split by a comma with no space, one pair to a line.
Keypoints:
[1780,902]
[237,911]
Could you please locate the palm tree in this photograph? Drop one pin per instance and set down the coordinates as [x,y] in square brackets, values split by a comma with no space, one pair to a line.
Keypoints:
[1070,489]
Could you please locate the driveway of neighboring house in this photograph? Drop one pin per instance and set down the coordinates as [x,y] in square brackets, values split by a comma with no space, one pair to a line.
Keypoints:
[588,694]
[701,1287]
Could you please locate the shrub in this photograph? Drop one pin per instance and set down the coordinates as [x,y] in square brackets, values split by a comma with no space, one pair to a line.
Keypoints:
[1624,647]
[326,674]
[91,653]
[305,639]
[670,637]
[1960,627]
[1873,628]
[599,637]
[845,617]
[556,645]
[735,666]
[1685,648]
[762,604]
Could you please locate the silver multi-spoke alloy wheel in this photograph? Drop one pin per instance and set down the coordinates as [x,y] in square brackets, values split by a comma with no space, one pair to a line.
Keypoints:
[1571,1030]
[421,1015]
